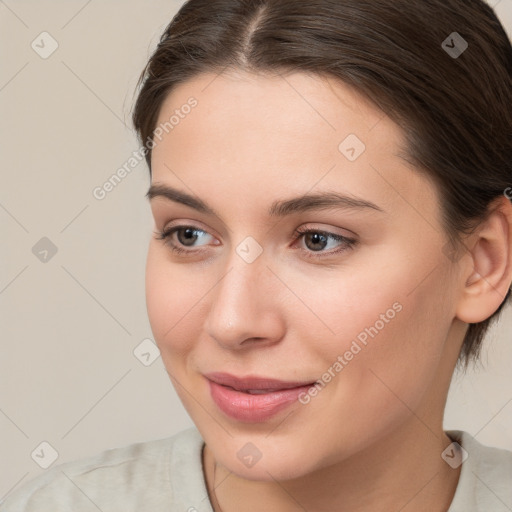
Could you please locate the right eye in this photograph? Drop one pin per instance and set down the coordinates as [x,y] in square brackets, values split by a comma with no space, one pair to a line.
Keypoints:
[185,235]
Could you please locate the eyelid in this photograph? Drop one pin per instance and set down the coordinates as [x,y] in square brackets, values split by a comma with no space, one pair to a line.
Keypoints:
[346,242]
[346,233]
[162,210]
[167,232]
[192,224]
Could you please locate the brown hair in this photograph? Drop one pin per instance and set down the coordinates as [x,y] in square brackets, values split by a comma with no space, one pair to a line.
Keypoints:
[455,110]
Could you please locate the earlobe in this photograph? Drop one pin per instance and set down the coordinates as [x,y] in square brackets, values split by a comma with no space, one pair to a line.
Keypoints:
[487,267]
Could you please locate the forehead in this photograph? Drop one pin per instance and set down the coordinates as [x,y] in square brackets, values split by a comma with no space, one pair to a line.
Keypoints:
[283,133]
[297,103]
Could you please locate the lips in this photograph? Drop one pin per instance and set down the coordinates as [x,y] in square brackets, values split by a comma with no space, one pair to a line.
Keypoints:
[254,383]
[253,399]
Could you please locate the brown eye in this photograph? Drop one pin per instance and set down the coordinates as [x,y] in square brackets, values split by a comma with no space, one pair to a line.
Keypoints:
[189,236]
[316,241]
[186,236]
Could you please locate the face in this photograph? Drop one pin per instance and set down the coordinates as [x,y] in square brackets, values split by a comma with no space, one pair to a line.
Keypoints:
[351,290]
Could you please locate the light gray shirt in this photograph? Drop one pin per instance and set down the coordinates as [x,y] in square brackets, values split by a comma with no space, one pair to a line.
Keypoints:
[166,475]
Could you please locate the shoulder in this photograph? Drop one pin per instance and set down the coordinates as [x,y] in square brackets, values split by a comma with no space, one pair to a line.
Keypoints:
[485,481]
[140,476]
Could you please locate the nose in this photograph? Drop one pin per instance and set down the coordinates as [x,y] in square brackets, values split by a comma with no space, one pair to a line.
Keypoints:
[244,309]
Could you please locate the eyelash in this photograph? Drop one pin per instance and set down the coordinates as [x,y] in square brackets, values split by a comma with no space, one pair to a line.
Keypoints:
[349,243]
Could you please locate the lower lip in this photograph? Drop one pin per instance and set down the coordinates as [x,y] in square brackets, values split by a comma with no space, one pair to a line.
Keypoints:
[253,408]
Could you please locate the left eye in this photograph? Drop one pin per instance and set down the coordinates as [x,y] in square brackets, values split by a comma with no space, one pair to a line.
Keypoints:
[316,237]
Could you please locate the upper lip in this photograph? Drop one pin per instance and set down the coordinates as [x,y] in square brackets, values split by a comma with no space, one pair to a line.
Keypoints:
[253,382]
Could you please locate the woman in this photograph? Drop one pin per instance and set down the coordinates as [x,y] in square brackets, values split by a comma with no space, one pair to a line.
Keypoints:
[330,186]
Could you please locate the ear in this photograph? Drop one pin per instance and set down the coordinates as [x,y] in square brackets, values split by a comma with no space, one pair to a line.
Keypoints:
[486,272]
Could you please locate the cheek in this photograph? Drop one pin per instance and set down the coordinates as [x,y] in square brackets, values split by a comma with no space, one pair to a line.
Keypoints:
[377,369]
[157,292]
[173,298]
[336,306]
[381,332]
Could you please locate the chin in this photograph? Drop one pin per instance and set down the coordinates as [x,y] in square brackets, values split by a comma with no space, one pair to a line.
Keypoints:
[263,457]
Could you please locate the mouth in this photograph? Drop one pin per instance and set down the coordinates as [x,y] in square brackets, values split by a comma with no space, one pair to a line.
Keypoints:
[255,391]
[253,399]
[255,384]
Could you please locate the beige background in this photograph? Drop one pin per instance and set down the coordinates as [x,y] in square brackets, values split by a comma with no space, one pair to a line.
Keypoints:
[70,325]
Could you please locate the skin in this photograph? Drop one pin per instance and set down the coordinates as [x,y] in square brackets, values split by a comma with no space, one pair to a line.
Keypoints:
[372,437]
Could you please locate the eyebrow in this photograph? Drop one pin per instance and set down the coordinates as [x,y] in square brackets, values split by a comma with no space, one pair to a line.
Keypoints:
[282,208]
